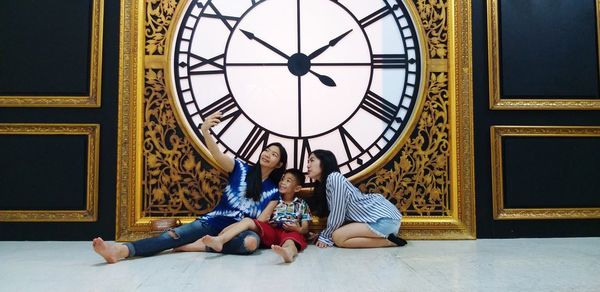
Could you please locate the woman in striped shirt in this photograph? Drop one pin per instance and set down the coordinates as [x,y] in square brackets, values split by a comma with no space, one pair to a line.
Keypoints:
[374,220]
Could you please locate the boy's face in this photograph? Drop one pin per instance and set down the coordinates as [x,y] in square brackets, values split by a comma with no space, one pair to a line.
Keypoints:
[288,184]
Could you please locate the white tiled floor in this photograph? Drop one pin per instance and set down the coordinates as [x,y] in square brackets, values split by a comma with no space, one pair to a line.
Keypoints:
[569,264]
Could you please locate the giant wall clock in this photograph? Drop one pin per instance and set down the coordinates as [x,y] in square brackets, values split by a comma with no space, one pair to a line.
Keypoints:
[346,76]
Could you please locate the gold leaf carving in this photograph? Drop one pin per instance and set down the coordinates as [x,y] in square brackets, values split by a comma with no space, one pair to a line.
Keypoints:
[418,181]
[433,15]
[159,14]
[175,182]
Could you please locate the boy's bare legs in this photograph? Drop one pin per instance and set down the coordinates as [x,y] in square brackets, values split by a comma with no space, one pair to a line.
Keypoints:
[287,250]
[216,242]
[112,253]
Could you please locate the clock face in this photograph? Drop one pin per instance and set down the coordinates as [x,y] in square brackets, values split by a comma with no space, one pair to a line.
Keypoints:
[311,74]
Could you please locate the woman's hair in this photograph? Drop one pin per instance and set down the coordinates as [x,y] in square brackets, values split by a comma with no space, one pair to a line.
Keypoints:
[254,178]
[318,201]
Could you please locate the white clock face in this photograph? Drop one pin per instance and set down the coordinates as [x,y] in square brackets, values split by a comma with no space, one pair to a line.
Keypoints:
[310,74]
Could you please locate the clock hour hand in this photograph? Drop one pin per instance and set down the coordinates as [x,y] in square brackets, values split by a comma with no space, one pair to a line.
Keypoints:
[251,36]
[326,80]
[331,43]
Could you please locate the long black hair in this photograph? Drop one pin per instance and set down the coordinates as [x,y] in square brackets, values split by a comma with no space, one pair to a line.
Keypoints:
[318,201]
[254,178]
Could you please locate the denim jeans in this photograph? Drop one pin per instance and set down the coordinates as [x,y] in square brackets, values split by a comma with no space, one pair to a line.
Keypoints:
[185,234]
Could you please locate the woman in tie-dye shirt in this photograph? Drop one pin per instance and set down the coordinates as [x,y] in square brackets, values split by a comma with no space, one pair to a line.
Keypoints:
[248,192]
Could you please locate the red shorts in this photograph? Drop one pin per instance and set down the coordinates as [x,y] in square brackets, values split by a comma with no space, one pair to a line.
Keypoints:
[270,235]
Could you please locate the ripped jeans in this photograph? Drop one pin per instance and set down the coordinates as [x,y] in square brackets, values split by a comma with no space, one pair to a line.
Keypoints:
[189,233]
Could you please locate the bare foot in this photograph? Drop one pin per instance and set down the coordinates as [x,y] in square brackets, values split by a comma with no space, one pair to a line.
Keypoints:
[284,253]
[214,242]
[107,250]
[197,245]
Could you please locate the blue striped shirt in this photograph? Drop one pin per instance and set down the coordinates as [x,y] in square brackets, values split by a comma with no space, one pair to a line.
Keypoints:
[348,203]
[234,205]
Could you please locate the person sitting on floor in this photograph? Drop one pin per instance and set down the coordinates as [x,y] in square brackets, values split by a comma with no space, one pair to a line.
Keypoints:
[281,226]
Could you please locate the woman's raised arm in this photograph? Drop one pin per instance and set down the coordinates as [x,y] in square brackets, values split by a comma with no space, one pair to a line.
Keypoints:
[226,162]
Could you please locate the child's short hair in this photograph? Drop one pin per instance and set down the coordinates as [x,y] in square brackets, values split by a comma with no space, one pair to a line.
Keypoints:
[298,175]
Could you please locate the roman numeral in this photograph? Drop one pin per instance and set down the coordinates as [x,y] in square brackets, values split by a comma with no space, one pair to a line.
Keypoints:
[204,61]
[224,104]
[228,21]
[301,153]
[199,62]
[380,107]
[347,137]
[257,137]
[377,15]
[228,107]
[387,61]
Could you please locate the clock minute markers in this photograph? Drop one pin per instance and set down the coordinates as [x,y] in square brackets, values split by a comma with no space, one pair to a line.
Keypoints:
[350,55]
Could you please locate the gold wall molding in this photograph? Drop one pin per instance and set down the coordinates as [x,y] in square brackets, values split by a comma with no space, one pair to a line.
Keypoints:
[162,174]
[495,99]
[95,67]
[502,213]
[90,214]
[418,181]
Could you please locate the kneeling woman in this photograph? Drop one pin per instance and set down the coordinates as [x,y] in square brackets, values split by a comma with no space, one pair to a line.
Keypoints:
[374,220]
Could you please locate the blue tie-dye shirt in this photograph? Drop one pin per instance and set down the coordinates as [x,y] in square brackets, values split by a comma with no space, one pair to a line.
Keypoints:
[234,205]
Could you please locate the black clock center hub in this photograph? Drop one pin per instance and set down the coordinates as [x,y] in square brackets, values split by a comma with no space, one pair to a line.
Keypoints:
[299,64]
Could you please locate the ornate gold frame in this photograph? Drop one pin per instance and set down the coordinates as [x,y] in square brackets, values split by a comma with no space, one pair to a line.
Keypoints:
[501,213]
[90,214]
[499,103]
[95,81]
[449,65]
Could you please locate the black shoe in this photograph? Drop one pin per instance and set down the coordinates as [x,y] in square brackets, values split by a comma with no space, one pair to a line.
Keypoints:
[395,239]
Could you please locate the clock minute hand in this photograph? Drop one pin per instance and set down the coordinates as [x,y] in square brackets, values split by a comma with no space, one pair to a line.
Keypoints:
[251,36]
[331,43]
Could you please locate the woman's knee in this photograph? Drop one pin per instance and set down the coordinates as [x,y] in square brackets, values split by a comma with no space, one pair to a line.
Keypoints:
[250,243]
[191,229]
[338,238]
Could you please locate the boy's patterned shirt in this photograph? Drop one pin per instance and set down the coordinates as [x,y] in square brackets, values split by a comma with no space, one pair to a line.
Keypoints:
[295,211]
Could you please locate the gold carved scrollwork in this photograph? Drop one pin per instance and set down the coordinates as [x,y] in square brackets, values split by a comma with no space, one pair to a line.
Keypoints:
[433,19]
[176,183]
[159,14]
[418,180]
[430,178]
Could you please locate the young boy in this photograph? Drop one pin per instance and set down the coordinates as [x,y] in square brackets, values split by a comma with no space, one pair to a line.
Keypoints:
[282,225]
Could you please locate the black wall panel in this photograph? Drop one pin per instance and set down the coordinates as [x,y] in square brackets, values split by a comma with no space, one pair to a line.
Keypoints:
[484,118]
[57,60]
[548,48]
[64,70]
[43,172]
[45,47]
[551,172]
